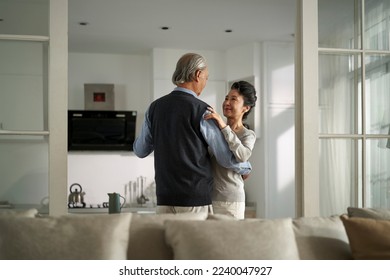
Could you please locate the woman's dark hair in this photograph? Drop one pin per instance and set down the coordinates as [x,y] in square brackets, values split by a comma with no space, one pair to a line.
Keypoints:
[248,92]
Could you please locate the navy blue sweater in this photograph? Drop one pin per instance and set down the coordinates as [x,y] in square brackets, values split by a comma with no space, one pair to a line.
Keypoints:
[183,171]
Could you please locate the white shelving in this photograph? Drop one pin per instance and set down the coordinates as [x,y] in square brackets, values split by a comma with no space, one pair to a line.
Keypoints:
[33,130]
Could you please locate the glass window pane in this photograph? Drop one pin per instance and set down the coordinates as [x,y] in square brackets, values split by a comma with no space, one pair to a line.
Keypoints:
[341,106]
[376,20]
[24,165]
[338,178]
[338,91]
[23,69]
[24,17]
[378,173]
[338,30]
[377,94]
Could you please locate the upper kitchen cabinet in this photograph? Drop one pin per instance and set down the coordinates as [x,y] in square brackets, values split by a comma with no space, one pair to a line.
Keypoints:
[33,106]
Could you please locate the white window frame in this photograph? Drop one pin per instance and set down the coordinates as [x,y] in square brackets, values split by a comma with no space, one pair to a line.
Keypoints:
[306,105]
[58,107]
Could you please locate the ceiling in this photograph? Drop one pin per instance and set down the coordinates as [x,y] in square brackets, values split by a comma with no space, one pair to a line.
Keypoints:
[134,26]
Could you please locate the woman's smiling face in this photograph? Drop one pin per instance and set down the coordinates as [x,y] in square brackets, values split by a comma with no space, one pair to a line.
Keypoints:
[233,106]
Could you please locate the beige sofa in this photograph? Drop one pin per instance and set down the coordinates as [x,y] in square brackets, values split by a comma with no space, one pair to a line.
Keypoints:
[181,236]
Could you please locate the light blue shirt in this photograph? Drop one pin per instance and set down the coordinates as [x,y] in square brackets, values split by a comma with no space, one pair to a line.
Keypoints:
[143,145]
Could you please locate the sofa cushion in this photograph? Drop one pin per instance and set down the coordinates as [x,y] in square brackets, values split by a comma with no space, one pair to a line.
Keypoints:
[74,237]
[369,238]
[221,217]
[147,239]
[232,240]
[374,213]
[31,213]
[321,238]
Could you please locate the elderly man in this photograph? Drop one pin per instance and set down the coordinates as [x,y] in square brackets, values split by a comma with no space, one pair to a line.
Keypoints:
[175,129]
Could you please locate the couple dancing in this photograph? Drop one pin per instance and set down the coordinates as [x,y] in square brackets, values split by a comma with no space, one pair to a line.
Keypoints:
[200,160]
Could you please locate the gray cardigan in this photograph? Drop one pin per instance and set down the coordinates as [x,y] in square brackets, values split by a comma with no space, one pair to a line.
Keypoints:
[229,185]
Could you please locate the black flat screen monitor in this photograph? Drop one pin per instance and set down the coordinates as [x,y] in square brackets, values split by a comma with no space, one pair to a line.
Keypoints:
[101,130]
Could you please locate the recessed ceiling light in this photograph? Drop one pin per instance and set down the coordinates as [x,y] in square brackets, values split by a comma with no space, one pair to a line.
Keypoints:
[164,27]
[228,30]
[83,23]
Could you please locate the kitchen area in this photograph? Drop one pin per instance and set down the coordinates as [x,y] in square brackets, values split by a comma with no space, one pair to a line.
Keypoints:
[37,169]
[101,172]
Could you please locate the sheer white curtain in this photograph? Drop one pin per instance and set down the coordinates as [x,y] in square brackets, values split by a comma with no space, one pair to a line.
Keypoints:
[340,113]
[377,22]
[336,116]
[378,157]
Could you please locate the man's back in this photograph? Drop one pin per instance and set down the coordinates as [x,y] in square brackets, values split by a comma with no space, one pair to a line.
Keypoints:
[182,163]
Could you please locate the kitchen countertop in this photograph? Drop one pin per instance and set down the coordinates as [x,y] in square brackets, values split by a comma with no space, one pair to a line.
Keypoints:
[96,210]
[43,210]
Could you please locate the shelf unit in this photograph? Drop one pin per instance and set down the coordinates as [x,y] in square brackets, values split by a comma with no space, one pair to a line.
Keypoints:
[50,133]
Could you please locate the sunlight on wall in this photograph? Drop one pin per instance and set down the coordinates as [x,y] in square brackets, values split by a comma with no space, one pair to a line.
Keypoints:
[282,92]
[281,162]
[285,150]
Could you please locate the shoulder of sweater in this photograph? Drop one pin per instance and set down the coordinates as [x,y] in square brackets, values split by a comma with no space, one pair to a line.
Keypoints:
[245,132]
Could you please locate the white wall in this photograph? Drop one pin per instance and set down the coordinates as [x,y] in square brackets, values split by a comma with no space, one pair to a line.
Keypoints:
[279,112]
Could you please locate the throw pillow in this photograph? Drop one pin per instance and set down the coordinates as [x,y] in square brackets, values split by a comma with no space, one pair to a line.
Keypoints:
[369,238]
[232,240]
[70,237]
[31,213]
[321,238]
[147,235]
[374,213]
